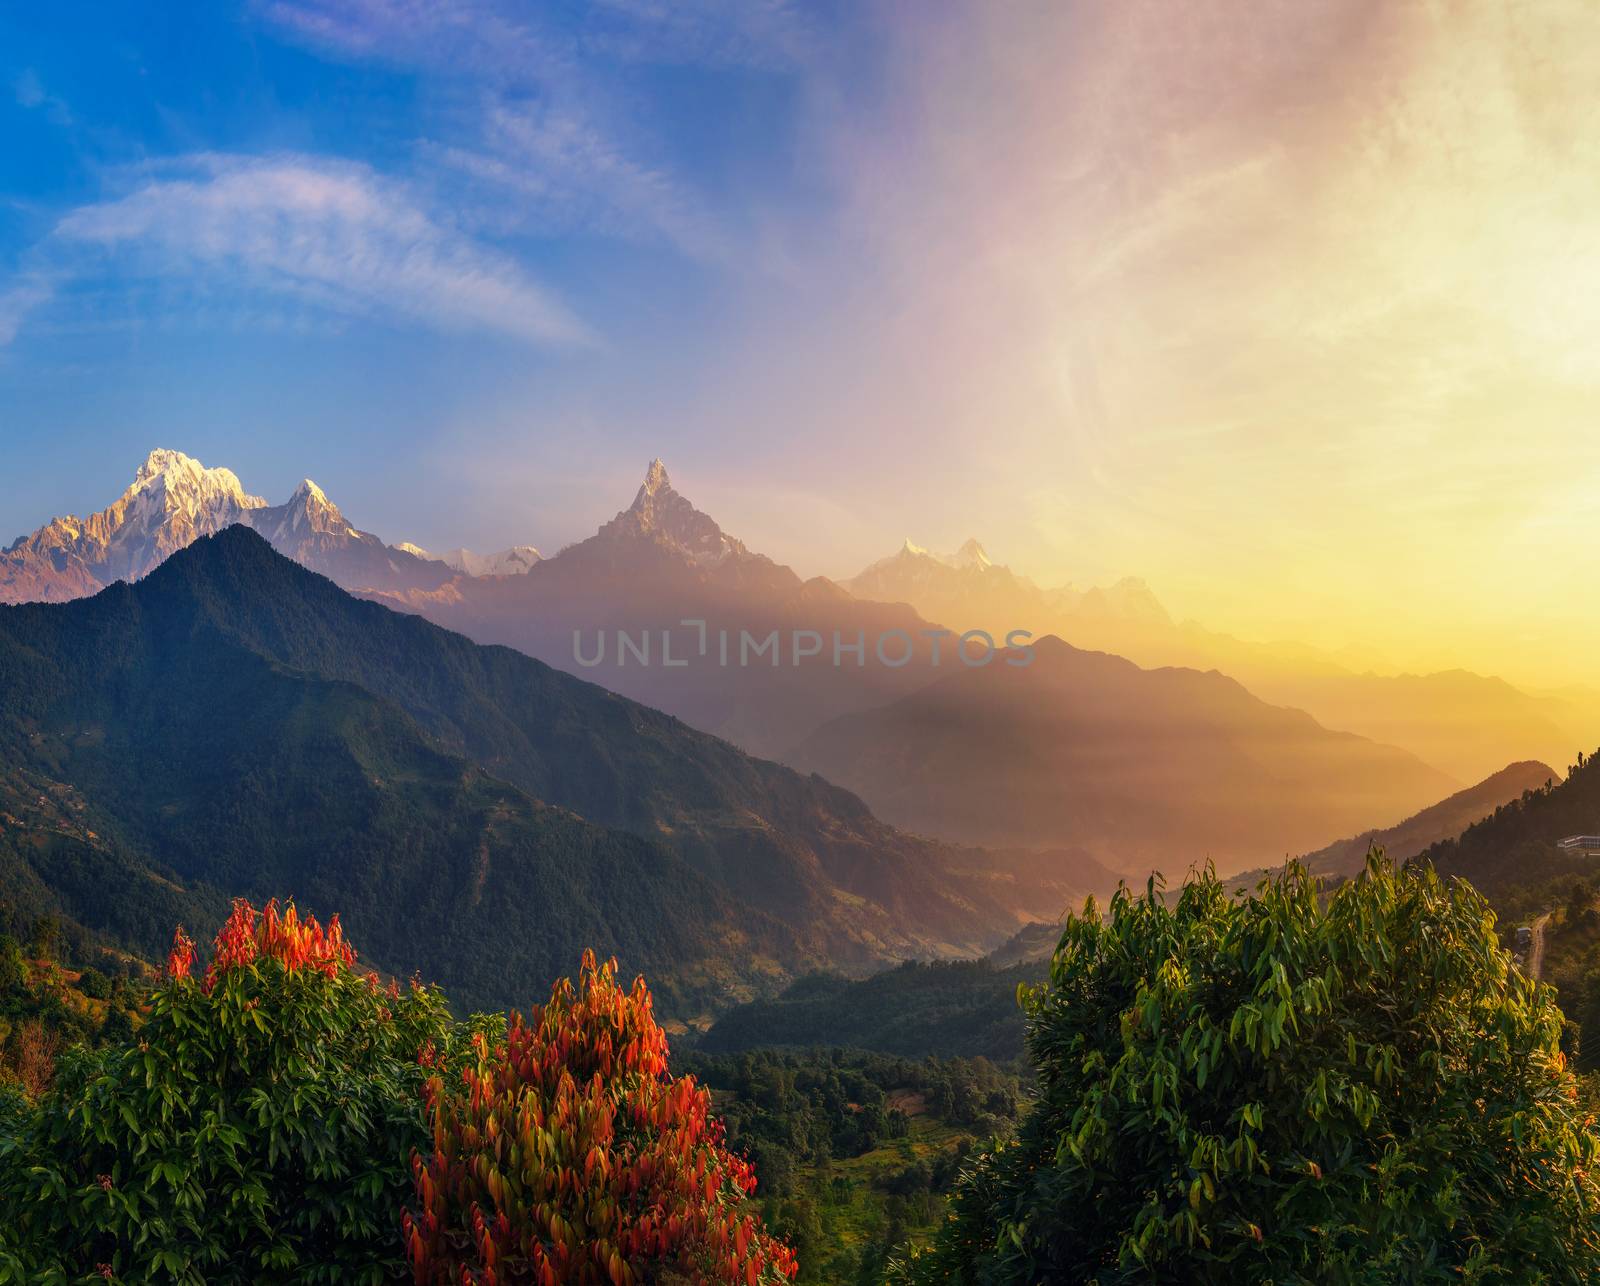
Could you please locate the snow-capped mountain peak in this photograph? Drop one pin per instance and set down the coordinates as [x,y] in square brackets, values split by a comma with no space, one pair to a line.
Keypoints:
[176,482]
[910,554]
[661,514]
[655,481]
[174,500]
[507,562]
[971,554]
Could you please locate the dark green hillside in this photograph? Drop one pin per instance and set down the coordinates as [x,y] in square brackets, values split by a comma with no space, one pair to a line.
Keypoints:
[949,1009]
[790,844]
[241,776]
[1516,845]
[855,1152]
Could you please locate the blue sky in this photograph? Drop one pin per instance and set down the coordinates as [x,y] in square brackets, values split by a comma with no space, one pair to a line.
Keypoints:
[366,241]
[1288,306]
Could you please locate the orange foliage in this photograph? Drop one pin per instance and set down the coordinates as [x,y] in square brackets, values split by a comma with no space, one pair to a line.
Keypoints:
[249,936]
[180,960]
[567,1154]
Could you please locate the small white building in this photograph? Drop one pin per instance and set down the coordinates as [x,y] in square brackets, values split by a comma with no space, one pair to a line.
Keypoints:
[1587,845]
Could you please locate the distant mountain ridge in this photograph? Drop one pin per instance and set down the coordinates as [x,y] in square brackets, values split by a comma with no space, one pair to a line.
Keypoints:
[506,562]
[1442,821]
[969,590]
[1438,823]
[1465,724]
[1142,768]
[660,566]
[172,501]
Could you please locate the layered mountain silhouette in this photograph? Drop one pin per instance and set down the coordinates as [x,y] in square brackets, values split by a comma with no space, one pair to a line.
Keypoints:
[969,590]
[1445,820]
[1143,768]
[1442,821]
[660,563]
[1467,725]
[233,723]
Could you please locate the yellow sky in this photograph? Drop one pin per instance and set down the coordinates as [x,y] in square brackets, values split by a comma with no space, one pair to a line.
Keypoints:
[1292,309]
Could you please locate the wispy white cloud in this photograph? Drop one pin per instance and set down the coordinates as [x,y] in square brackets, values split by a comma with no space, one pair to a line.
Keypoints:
[764,34]
[459,38]
[335,236]
[539,118]
[18,300]
[567,174]
[30,92]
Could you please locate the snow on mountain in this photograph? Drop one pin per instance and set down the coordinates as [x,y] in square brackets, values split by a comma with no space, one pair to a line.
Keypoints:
[173,500]
[515,561]
[971,554]
[660,514]
[911,554]
[508,562]
[968,589]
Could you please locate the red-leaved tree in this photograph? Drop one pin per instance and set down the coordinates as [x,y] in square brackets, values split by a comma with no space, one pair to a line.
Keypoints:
[565,1153]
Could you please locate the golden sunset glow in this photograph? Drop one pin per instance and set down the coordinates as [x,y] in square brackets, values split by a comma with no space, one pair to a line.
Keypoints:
[1294,315]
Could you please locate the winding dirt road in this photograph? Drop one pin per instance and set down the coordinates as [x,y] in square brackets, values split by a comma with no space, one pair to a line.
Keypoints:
[1536,950]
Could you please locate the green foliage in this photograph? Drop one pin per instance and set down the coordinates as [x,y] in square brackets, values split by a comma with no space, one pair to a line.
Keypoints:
[46,939]
[258,1130]
[947,1009]
[855,1151]
[1514,849]
[94,984]
[782,1106]
[13,971]
[1277,1089]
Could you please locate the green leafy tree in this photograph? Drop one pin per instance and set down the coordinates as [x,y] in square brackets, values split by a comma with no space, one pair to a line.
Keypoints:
[13,971]
[45,941]
[94,984]
[1286,1088]
[259,1130]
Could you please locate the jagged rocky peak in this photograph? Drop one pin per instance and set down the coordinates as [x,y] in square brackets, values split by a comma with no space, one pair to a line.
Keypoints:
[173,499]
[972,554]
[655,482]
[184,484]
[311,500]
[661,514]
[506,562]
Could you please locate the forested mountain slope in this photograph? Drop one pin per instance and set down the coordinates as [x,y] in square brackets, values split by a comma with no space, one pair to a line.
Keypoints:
[247,725]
